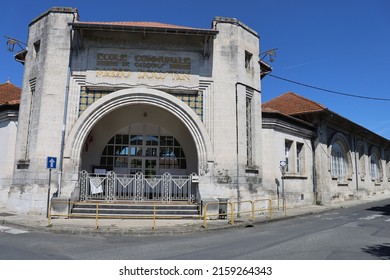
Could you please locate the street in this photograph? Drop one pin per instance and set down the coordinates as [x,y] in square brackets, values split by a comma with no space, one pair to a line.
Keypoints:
[357,233]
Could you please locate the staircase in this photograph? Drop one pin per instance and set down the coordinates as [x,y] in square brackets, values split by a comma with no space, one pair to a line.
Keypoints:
[136,210]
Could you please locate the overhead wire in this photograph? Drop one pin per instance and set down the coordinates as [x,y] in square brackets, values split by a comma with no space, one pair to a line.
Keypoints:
[330,91]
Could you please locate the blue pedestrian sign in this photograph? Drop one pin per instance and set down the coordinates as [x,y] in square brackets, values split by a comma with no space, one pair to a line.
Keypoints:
[51,163]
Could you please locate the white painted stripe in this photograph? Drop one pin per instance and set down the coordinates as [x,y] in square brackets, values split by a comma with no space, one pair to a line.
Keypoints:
[371,217]
[3,228]
[387,220]
[11,230]
[16,231]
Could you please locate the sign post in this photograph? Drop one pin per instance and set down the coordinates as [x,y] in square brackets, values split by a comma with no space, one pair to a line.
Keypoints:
[283,169]
[51,163]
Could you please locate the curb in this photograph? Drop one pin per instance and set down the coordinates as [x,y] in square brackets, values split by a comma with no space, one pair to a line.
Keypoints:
[189,229]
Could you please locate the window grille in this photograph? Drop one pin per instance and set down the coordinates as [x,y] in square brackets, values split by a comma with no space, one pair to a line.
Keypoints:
[88,96]
[249,131]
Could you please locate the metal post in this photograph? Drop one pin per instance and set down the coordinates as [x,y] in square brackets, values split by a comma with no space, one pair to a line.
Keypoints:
[97,215]
[283,189]
[283,168]
[48,195]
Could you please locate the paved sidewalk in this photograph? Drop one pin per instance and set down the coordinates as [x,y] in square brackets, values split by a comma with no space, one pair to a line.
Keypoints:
[162,226]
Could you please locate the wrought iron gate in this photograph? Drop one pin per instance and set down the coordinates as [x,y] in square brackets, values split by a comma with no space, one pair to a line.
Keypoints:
[137,187]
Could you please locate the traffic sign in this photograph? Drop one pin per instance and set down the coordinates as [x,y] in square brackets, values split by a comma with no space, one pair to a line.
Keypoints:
[51,163]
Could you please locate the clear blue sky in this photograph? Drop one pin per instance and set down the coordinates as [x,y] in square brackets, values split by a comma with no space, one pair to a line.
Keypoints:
[333,44]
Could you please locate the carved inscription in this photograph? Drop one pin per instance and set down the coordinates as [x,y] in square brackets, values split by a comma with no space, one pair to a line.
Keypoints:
[141,66]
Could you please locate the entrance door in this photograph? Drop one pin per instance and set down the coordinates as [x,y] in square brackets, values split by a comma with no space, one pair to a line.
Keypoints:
[143,155]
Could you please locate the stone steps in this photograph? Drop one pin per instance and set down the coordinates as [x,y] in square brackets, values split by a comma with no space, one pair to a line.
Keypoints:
[137,210]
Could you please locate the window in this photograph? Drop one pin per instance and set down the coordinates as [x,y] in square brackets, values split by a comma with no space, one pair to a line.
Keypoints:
[249,131]
[388,165]
[287,150]
[37,47]
[338,162]
[143,153]
[299,158]
[248,59]
[375,166]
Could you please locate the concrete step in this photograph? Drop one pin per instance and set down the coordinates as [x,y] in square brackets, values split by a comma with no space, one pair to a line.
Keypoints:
[137,210]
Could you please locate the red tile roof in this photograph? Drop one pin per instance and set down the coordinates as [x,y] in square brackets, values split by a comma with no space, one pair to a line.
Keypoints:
[138,24]
[141,25]
[292,104]
[9,94]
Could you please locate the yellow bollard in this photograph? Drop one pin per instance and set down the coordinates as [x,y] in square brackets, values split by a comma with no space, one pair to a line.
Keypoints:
[154,217]
[232,213]
[205,216]
[253,211]
[97,215]
[49,215]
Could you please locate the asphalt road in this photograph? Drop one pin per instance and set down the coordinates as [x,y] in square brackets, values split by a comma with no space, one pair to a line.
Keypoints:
[356,233]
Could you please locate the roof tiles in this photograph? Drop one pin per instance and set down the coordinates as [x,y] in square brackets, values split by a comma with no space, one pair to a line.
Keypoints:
[293,104]
[9,94]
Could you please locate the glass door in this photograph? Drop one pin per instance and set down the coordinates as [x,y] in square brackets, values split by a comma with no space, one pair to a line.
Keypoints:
[143,154]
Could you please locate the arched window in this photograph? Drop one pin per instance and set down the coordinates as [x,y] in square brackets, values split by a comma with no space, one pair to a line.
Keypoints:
[374,168]
[338,166]
[149,154]
[375,165]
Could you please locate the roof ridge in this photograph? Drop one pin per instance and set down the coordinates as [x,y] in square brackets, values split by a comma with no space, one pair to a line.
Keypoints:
[155,24]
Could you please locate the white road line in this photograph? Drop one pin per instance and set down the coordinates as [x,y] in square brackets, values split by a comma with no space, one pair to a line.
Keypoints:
[387,220]
[371,217]
[11,230]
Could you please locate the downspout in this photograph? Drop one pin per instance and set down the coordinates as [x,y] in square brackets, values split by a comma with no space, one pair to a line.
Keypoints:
[65,116]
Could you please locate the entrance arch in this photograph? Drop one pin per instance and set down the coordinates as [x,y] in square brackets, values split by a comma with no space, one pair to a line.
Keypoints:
[150,100]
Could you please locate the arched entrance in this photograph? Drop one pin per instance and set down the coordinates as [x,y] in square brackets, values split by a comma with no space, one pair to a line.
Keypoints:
[137,131]
[146,148]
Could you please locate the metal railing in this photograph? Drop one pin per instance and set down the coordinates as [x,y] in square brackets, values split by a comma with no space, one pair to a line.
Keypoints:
[253,209]
[263,205]
[137,187]
[97,212]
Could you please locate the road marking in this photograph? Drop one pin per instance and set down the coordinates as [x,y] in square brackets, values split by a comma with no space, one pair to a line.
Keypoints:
[371,217]
[387,220]
[11,230]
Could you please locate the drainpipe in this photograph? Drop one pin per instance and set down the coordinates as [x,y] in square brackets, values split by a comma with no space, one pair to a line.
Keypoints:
[65,116]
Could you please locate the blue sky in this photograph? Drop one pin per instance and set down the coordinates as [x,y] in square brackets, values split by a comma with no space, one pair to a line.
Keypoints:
[338,45]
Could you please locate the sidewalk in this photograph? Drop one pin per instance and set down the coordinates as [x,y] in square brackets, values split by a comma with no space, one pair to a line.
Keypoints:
[162,226]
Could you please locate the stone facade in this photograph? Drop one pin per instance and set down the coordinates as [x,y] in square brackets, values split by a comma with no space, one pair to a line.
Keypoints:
[339,159]
[151,98]
[9,109]
[86,82]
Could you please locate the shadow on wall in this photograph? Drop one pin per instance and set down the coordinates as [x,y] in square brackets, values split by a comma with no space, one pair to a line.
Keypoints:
[384,210]
[380,251]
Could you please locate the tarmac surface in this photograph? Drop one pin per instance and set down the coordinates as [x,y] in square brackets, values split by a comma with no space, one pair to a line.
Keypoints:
[141,227]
